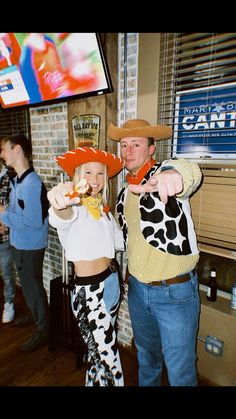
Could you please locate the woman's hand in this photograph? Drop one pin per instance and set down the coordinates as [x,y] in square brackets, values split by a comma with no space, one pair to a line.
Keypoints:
[59,196]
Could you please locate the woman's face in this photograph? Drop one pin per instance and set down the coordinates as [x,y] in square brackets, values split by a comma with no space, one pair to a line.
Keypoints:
[94,173]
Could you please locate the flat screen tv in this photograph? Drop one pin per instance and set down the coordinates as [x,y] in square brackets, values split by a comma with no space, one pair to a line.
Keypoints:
[47,67]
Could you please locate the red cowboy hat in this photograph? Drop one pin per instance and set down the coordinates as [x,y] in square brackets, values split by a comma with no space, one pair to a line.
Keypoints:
[74,158]
[139,128]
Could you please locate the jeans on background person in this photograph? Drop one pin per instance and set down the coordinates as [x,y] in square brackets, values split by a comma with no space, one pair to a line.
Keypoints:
[29,264]
[7,272]
[153,311]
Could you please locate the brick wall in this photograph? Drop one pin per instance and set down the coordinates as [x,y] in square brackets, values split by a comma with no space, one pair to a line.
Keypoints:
[49,133]
[127,109]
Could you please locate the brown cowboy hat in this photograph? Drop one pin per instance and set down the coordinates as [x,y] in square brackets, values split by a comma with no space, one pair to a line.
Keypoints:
[139,128]
[74,158]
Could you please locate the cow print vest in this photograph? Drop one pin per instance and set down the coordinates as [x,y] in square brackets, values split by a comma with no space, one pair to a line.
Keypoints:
[167,227]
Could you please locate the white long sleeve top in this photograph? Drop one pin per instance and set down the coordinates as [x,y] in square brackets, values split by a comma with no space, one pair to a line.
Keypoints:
[85,238]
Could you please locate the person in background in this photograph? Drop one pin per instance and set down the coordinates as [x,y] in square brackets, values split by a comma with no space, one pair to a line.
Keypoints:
[89,235]
[163,295]
[6,261]
[27,217]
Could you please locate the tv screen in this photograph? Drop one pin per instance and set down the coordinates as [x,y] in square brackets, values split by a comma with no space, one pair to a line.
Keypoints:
[41,67]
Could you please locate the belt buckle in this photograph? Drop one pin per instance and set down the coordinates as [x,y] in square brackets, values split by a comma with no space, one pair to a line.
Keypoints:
[155,283]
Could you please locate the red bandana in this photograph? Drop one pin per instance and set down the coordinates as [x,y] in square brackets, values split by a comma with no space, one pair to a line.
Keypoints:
[138,177]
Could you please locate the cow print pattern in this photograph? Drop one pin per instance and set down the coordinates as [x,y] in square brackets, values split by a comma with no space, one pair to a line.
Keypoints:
[120,212]
[98,329]
[169,228]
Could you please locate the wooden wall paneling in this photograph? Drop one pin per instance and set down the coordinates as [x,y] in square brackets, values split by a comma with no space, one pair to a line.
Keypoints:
[111,52]
[96,105]
[111,49]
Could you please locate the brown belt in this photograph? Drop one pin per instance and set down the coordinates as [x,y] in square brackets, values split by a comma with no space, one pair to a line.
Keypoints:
[176,280]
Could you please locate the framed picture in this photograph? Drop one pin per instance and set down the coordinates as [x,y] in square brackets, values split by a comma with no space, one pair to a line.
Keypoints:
[86,129]
[205,123]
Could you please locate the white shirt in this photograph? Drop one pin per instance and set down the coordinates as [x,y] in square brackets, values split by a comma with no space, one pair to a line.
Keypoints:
[85,238]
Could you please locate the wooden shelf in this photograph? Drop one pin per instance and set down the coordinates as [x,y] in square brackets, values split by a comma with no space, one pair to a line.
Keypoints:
[221,304]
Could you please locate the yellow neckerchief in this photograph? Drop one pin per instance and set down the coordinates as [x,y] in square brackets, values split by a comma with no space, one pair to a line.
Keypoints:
[93,205]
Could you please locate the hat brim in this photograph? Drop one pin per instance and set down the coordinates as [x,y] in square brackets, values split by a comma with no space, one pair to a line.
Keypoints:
[74,158]
[157,132]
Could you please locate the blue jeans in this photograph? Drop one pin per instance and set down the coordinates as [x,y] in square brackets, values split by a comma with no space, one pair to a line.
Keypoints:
[165,322]
[29,265]
[8,272]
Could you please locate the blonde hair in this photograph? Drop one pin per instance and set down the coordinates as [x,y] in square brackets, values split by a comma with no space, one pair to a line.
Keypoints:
[78,175]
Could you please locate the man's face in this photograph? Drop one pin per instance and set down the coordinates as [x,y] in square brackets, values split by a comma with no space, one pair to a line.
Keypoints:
[8,153]
[135,151]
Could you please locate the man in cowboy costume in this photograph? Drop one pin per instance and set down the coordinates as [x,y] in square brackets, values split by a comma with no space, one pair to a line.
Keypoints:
[154,213]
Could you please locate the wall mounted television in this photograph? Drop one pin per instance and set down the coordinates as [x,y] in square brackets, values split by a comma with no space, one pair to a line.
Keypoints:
[46,67]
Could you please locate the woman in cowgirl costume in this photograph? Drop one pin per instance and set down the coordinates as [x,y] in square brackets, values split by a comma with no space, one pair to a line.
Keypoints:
[89,234]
